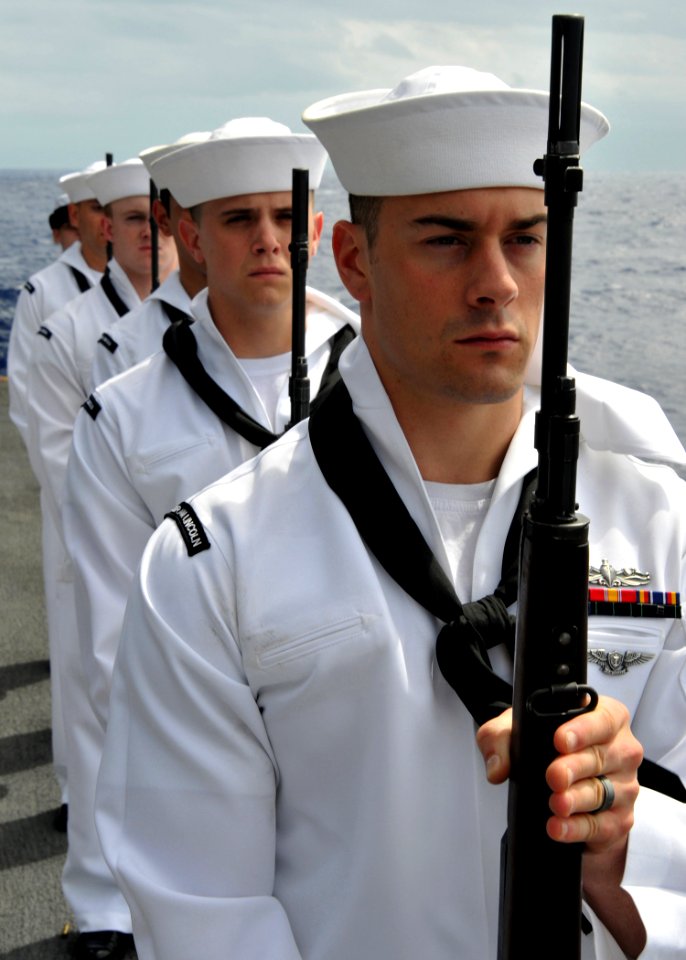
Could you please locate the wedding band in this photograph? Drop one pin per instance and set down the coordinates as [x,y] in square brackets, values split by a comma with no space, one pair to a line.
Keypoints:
[608,794]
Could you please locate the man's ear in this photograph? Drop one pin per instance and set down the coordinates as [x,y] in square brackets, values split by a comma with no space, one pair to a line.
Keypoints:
[161,218]
[351,253]
[190,236]
[107,228]
[316,232]
[73,214]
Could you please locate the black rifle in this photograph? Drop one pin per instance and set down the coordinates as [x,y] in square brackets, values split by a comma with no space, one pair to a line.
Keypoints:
[109,159]
[299,384]
[550,660]
[154,240]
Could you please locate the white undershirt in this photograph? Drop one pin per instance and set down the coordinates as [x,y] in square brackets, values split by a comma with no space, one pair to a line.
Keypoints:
[269,376]
[460,510]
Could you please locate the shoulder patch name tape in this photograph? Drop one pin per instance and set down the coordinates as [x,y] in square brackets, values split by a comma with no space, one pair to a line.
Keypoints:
[190,527]
[92,407]
[108,342]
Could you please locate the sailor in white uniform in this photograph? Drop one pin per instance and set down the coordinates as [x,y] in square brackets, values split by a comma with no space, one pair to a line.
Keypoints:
[139,334]
[64,233]
[59,382]
[78,269]
[62,356]
[146,439]
[276,681]
[75,271]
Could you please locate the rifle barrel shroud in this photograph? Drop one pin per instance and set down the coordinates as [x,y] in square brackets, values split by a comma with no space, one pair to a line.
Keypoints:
[550,660]
[109,160]
[154,240]
[299,384]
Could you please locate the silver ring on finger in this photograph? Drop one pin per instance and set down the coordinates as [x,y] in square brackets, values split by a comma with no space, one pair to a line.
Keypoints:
[608,794]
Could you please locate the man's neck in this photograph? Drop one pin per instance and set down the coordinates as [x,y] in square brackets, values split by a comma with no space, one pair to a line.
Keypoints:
[141,283]
[460,443]
[190,279]
[254,334]
[95,258]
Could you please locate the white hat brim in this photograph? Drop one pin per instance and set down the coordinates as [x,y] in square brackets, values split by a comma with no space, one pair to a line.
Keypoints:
[235,166]
[438,142]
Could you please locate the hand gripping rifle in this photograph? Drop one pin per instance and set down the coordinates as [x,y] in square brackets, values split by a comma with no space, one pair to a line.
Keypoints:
[550,660]
[299,384]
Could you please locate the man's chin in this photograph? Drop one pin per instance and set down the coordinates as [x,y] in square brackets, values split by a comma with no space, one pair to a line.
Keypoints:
[486,390]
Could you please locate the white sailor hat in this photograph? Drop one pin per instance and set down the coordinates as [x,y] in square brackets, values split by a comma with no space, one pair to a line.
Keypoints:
[442,128]
[62,201]
[75,185]
[126,179]
[246,155]
[152,154]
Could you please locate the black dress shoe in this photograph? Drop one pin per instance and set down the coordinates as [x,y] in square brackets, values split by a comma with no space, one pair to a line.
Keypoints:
[60,817]
[102,945]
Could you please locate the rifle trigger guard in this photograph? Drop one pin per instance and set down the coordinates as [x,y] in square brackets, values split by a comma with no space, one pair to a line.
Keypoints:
[556,695]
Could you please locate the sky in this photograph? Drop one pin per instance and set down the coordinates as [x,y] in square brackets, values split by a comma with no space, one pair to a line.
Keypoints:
[82,77]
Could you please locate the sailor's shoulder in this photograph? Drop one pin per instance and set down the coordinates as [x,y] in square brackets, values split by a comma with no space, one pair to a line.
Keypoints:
[46,277]
[130,387]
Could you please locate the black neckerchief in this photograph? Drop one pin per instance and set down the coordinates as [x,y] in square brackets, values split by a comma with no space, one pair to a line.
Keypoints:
[181,348]
[82,281]
[174,314]
[117,303]
[354,472]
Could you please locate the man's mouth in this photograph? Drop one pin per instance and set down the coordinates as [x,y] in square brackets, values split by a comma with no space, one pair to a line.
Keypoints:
[493,338]
[267,272]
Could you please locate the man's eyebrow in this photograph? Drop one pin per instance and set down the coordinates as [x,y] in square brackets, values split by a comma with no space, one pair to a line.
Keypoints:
[450,223]
[229,209]
[466,226]
[528,222]
[243,210]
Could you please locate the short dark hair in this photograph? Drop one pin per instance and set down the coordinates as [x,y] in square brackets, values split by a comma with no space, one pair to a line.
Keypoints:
[165,199]
[59,218]
[365,211]
[196,213]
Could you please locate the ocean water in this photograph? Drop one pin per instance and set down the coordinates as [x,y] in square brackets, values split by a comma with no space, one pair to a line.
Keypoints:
[629,272]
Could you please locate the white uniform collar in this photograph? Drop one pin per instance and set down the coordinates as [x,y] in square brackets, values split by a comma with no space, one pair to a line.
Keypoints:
[325,317]
[625,421]
[172,291]
[373,408]
[73,257]
[614,417]
[123,285]
[221,363]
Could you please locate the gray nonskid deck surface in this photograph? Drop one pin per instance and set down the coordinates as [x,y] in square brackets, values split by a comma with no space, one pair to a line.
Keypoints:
[33,912]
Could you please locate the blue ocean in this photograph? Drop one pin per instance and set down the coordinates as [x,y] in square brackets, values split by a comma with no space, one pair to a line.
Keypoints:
[629,276]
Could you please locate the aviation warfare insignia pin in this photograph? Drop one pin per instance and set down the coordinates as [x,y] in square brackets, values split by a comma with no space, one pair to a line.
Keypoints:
[616,664]
[616,592]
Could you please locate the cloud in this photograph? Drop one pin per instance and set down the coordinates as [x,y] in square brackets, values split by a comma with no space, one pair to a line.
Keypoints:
[89,75]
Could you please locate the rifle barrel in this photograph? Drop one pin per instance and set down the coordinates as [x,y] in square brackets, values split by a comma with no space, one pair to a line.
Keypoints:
[299,384]
[154,240]
[109,160]
[550,649]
